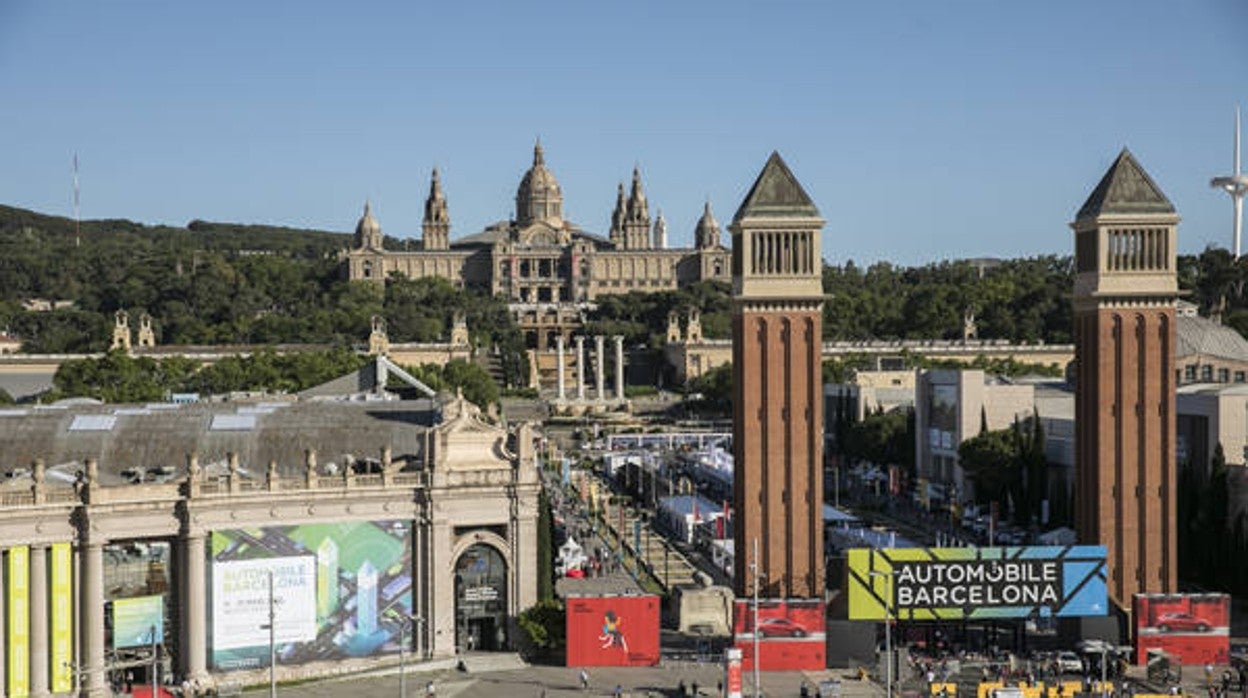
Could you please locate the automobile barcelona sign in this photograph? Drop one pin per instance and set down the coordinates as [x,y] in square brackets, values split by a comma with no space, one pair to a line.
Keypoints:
[953,583]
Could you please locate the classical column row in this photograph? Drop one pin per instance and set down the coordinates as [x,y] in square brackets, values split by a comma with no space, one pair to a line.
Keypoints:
[599,368]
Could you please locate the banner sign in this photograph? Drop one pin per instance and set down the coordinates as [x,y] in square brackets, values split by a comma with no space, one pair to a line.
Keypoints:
[954,583]
[613,630]
[791,634]
[1193,627]
[18,608]
[138,621]
[61,620]
[732,673]
[340,590]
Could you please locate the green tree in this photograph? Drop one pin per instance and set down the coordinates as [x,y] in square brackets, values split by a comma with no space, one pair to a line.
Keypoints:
[545,549]
[478,387]
[544,631]
[991,460]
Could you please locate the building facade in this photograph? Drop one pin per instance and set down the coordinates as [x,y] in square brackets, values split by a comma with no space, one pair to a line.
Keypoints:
[777,315]
[547,267]
[427,542]
[1125,292]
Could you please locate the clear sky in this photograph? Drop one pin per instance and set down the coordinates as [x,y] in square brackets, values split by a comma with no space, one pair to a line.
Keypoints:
[924,130]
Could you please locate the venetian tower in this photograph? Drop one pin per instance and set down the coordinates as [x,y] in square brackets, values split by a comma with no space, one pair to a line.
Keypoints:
[1124,300]
[777,386]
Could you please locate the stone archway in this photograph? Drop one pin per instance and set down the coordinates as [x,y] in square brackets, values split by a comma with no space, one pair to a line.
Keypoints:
[482,586]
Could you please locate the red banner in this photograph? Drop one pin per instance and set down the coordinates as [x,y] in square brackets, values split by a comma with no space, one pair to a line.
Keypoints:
[791,634]
[1193,627]
[613,630]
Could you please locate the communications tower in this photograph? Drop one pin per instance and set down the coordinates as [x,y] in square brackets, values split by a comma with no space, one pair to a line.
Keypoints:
[1236,184]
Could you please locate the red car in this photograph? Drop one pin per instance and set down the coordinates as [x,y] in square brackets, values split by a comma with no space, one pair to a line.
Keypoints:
[780,627]
[1168,622]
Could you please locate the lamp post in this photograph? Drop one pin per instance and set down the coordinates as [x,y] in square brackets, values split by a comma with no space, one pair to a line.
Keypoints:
[155,662]
[758,687]
[271,626]
[406,624]
[888,631]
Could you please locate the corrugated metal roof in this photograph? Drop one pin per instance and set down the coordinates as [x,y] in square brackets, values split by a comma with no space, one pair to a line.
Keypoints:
[1197,335]
[166,437]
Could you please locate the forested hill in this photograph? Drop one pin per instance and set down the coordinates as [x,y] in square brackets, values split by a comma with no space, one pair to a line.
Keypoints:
[221,283]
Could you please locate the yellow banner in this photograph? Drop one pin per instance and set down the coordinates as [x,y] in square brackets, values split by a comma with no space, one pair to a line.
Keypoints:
[18,607]
[62,618]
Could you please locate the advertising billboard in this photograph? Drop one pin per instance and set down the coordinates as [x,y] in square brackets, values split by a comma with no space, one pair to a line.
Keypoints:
[1193,627]
[958,583]
[138,621]
[340,590]
[613,630]
[791,634]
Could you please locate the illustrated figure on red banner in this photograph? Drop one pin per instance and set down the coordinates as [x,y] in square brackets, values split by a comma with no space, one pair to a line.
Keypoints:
[612,635]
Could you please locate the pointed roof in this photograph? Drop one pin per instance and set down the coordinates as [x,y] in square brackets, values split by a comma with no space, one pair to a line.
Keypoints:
[776,193]
[1125,188]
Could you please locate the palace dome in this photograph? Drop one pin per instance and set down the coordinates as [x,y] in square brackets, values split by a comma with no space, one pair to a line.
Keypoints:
[538,197]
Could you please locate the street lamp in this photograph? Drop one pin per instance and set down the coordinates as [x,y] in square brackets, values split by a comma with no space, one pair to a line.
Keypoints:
[271,626]
[758,576]
[888,630]
[405,624]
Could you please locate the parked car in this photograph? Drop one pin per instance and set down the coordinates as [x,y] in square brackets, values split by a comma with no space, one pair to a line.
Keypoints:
[1069,663]
[780,627]
[1168,622]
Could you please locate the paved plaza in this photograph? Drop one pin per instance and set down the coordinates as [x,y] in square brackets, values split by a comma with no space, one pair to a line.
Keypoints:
[551,681]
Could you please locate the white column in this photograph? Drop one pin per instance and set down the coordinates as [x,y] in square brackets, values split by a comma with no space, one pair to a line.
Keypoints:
[559,367]
[194,608]
[91,615]
[580,368]
[599,376]
[619,367]
[38,621]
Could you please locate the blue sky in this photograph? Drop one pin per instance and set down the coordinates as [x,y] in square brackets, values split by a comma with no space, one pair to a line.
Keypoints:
[923,130]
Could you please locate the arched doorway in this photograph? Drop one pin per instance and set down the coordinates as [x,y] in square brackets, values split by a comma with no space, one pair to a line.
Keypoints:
[481,599]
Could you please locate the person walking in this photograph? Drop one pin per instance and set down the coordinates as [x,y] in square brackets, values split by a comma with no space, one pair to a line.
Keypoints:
[584,680]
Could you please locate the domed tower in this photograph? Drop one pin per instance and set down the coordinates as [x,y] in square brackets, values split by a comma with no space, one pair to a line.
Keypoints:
[706,234]
[368,231]
[539,198]
[637,217]
[436,227]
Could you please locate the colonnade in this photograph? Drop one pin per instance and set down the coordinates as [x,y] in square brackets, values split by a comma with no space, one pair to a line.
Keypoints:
[600,387]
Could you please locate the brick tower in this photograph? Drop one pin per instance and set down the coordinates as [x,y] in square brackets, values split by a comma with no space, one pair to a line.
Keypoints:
[1125,292]
[777,280]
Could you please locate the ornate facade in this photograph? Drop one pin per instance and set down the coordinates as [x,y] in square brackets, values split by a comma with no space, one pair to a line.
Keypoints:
[547,267]
[429,544]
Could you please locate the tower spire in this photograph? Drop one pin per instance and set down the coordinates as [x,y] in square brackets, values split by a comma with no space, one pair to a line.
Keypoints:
[1236,184]
[436,226]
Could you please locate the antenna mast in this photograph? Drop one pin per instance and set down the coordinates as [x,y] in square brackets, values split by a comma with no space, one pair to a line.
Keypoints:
[77,217]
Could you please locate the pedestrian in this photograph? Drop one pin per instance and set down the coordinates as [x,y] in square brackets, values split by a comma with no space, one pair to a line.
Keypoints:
[430,690]
[619,690]
[694,686]
[680,688]
[584,680]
